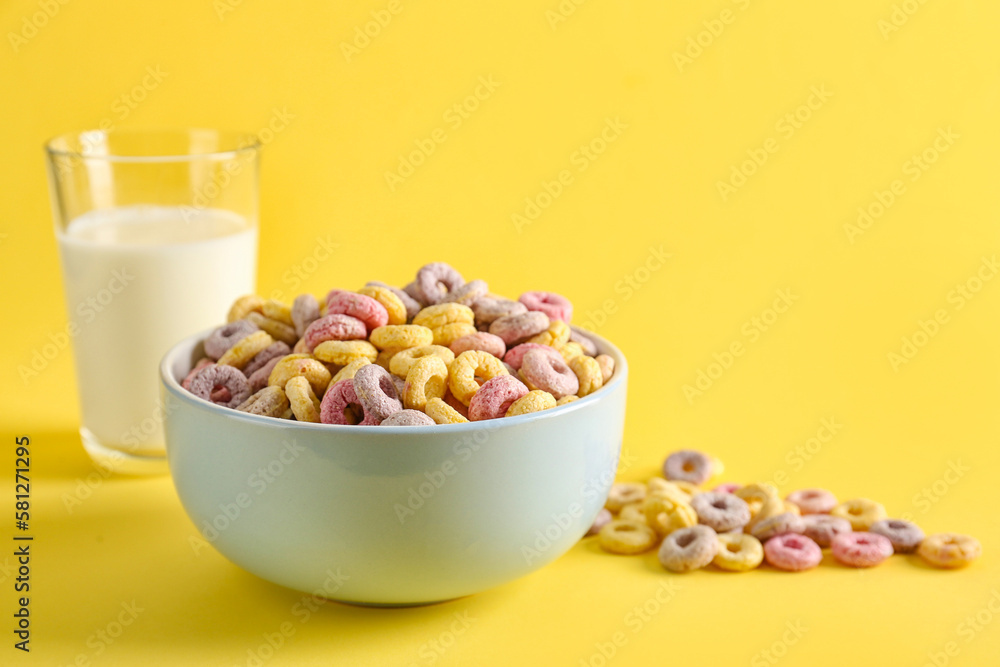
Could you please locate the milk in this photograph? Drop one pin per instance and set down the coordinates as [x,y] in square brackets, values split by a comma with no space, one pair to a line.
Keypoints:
[137,280]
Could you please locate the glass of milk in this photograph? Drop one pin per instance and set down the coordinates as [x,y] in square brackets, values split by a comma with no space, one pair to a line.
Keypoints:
[157,234]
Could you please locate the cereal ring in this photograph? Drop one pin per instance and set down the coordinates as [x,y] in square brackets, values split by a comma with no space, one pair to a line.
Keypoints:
[414,293]
[779,524]
[861,549]
[813,501]
[667,515]
[904,535]
[756,495]
[224,337]
[384,358]
[304,404]
[427,379]
[214,377]
[295,365]
[480,340]
[466,368]
[822,528]
[399,383]
[792,552]
[607,364]
[626,537]
[305,311]
[727,487]
[861,512]
[568,351]
[633,512]
[401,363]
[454,403]
[588,373]
[258,379]
[515,355]
[624,493]
[348,371]
[202,363]
[721,511]
[738,552]
[566,399]
[364,308]
[301,347]
[278,311]
[549,374]
[442,413]
[467,293]
[343,352]
[688,465]
[535,400]
[260,360]
[489,309]
[556,307]
[268,402]
[602,519]
[394,306]
[340,405]
[408,418]
[449,333]
[334,327]
[672,490]
[494,397]
[949,550]
[769,508]
[243,306]
[688,549]
[377,393]
[436,280]
[517,328]
[412,305]
[585,341]
[240,354]
[401,336]
[434,317]
[557,334]
[278,330]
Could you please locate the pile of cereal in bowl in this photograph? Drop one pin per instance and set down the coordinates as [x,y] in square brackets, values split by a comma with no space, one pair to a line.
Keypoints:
[438,351]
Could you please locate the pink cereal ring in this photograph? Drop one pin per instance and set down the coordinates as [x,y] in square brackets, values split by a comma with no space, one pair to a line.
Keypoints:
[727,487]
[276,349]
[341,406]
[516,328]
[792,552]
[822,528]
[436,280]
[375,389]
[489,309]
[813,501]
[549,374]
[211,379]
[557,307]
[588,345]
[486,342]
[186,383]
[495,397]
[334,327]
[364,308]
[861,549]
[515,355]
[223,338]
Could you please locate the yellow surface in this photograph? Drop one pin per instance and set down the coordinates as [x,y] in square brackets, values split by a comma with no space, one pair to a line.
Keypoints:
[678,129]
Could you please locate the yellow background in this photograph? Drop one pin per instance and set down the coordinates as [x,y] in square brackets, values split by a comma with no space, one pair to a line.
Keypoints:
[656,184]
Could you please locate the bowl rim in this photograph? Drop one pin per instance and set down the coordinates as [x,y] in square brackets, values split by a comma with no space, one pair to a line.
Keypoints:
[171,384]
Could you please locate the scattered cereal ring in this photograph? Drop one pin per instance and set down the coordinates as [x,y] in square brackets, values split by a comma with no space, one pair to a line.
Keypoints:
[721,511]
[216,376]
[861,512]
[861,549]
[544,372]
[813,501]
[633,512]
[556,307]
[277,330]
[377,393]
[436,316]
[295,365]
[568,351]
[688,465]
[738,552]
[394,306]
[364,308]
[517,328]
[487,309]
[779,524]
[756,495]
[904,535]
[401,336]
[224,337]
[414,293]
[240,354]
[268,402]
[447,334]
[412,305]
[792,552]
[515,355]
[334,327]
[567,399]
[535,400]
[602,519]
[258,379]
[672,490]
[688,549]
[343,352]
[557,334]
[467,293]
[949,550]
[480,340]
[305,311]
[588,345]
[408,418]
[401,363]
[494,397]
[442,413]
[243,306]
[667,515]
[466,368]
[588,373]
[436,280]
[340,405]
[348,371]
[822,528]
[607,364]
[426,379]
[727,487]
[278,349]
[304,404]
[384,358]
[626,537]
[624,493]
[278,311]
[769,508]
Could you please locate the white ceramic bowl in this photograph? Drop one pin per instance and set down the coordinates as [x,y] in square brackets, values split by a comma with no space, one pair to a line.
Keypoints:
[391,515]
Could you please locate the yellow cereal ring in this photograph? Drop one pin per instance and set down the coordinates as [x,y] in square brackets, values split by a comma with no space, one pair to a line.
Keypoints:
[624,493]
[384,358]
[557,334]
[295,365]
[588,372]
[666,515]
[738,552]
[400,363]
[343,352]
[756,495]
[401,336]
[427,379]
[301,347]
[670,490]
[535,400]
[393,304]
[567,399]
[447,334]
[442,413]
[949,550]
[441,314]
[239,355]
[632,512]
[626,537]
[278,311]
[568,350]
[305,405]
[278,330]
[861,512]
[607,364]
[764,510]
[348,371]
[243,306]
[467,367]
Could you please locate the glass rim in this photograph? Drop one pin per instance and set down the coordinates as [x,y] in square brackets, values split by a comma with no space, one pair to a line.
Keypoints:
[250,143]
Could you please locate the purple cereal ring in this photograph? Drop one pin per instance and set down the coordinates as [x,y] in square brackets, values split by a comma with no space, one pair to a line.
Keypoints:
[335,326]
[792,552]
[813,501]
[822,528]
[186,382]
[277,349]
[436,280]
[414,292]
[588,345]
[861,549]
[259,378]
[412,305]
[408,418]
[516,328]
[494,397]
[223,338]
[268,402]
[549,374]
[904,535]
[364,308]
[726,487]
[515,355]
[486,342]
[341,406]
[468,293]
[212,378]
[557,307]
[688,465]
[721,511]
[688,548]
[779,524]
[376,391]
[489,309]
[305,311]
